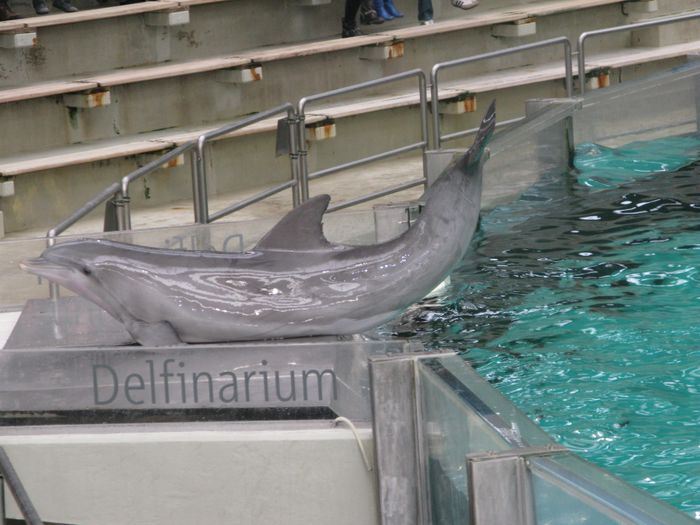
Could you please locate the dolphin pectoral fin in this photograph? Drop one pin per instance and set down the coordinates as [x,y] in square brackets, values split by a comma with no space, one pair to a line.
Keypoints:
[300,229]
[154,334]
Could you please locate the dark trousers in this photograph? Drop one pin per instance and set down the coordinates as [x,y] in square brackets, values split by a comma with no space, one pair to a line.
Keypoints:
[351,8]
[425,10]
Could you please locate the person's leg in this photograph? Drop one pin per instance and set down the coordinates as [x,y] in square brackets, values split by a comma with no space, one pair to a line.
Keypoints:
[425,10]
[6,12]
[64,5]
[391,9]
[368,15]
[349,20]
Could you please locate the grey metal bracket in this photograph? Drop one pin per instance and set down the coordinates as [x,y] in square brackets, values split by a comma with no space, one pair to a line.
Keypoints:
[26,507]
[499,485]
[399,458]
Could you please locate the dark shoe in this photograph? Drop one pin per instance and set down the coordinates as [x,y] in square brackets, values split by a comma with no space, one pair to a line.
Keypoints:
[64,5]
[40,7]
[6,12]
[390,8]
[369,16]
[350,29]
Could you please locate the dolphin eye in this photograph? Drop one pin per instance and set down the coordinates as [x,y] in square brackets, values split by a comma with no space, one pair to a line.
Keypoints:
[87,271]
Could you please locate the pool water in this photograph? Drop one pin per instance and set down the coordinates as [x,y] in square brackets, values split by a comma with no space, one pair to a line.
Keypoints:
[581,303]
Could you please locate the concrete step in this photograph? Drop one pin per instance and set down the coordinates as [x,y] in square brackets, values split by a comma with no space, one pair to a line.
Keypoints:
[59,180]
[67,42]
[190,93]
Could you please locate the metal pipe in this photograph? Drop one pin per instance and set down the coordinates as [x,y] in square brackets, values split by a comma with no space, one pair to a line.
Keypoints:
[301,116]
[83,210]
[459,134]
[251,200]
[365,160]
[372,196]
[294,156]
[485,56]
[424,123]
[303,160]
[26,507]
[619,29]
[301,106]
[200,196]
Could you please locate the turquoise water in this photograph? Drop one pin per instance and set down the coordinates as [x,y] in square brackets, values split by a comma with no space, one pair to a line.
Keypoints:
[581,302]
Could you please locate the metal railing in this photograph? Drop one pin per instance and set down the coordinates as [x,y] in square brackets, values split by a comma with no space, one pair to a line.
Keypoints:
[620,29]
[119,191]
[199,188]
[9,475]
[422,144]
[435,87]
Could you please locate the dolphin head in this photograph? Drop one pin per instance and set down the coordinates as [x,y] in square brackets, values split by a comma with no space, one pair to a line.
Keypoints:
[72,265]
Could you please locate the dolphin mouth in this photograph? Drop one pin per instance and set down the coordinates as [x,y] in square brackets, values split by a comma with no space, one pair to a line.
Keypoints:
[41,266]
[56,271]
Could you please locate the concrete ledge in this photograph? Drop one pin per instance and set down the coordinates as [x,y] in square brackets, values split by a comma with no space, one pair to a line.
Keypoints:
[163,140]
[250,473]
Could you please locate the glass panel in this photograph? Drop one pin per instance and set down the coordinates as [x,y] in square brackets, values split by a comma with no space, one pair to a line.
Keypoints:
[235,381]
[568,489]
[16,286]
[462,414]
[612,116]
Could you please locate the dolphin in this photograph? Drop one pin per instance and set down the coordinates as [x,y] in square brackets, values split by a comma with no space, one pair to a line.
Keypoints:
[293,283]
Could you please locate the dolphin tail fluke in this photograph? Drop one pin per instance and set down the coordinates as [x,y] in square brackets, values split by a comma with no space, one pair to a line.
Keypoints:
[483,136]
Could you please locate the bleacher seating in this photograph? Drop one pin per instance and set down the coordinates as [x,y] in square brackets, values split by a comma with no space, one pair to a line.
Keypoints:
[162,97]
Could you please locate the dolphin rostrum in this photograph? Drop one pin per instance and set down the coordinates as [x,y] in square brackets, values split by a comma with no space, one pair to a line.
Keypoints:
[293,283]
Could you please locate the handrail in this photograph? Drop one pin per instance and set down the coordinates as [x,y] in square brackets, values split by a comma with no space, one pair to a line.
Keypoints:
[619,29]
[434,88]
[24,502]
[120,190]
[199,188]
[305,176]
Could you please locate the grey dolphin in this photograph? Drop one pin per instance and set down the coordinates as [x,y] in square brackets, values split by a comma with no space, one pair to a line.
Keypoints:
[293,283]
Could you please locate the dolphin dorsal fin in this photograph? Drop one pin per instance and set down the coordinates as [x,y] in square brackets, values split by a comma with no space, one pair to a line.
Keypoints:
[300,229]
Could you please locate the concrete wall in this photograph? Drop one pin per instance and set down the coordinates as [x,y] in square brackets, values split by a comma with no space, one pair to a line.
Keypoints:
[292,473]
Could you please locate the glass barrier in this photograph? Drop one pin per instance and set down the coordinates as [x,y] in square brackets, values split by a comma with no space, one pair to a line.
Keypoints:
[670,103]
[465,419]
[294,379]
[16,286]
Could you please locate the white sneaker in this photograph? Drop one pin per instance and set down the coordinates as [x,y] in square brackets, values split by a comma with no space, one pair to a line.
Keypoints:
[431,21]
[465,4]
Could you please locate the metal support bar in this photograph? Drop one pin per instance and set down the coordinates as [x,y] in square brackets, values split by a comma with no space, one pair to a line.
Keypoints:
[434,80]
[399,450]
[619,29]
[26,507]
[365,160]
[305,177]
[378,194]
[251,200]
[199,182]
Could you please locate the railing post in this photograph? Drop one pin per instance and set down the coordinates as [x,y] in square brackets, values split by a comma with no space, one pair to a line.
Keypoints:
[294,157]
[397,428]
[122,203]
[199,182]
[26,507]
[303,153]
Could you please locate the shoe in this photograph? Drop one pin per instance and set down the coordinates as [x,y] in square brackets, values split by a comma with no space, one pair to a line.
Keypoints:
[391,9]
[64,5]
[6,12]
[369,17]
[381,11]
[465,4]
[427,22]
[350,29]
[40,7]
